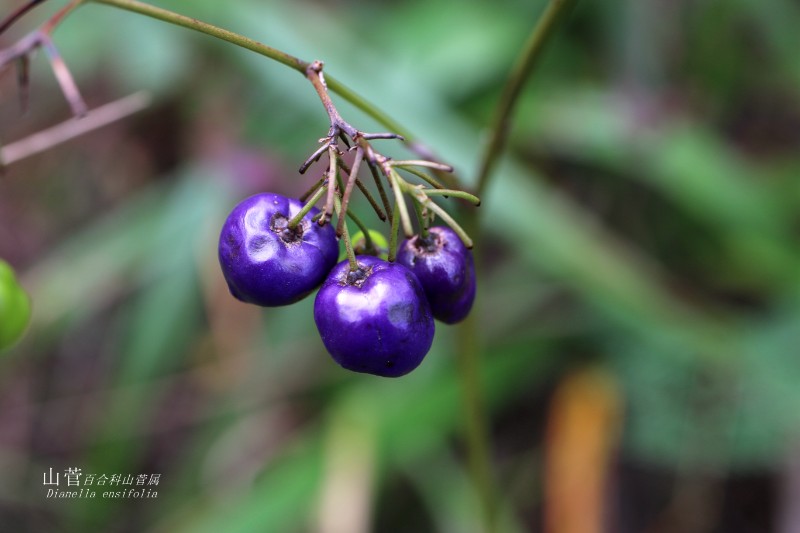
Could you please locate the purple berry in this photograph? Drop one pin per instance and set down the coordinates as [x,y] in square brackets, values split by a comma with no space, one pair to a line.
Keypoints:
[446,270]
[376,319]
[267,263]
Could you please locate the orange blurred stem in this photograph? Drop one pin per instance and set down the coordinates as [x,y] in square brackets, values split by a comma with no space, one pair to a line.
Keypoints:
[582,434]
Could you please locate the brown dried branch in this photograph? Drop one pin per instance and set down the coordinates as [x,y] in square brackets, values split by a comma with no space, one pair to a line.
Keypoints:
[96,118]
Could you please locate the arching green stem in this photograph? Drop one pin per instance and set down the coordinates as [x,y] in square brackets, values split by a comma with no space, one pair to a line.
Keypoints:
[209,29]
[273,53]
[556,10]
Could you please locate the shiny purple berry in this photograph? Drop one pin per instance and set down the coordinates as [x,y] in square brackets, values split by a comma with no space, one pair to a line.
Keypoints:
[446,270]
[267,263]
[375,319]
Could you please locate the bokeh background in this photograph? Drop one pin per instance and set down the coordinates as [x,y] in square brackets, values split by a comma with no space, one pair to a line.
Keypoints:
[638,314]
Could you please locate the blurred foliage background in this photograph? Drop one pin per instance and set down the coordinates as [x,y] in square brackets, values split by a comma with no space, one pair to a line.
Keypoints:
[638,314]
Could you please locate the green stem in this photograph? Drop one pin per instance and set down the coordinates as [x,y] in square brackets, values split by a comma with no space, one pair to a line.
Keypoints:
[348,245]
[455,194]
[531,52]
[477,434]
[421,218]
[170,17]
[303,197]
[468,354]
[295,220]
[429,179]
[364,229]
[478,440]
[348,190]
[393,234]
[384,198]
[400,202]
[421,163]
[371,200]
[445,216]
[273,53]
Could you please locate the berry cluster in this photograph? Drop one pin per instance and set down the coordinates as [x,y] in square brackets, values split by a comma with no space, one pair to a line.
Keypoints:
[374,314]
[376,318]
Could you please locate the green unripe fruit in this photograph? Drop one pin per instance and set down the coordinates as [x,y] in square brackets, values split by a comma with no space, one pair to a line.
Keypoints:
[379,246]
[15,307]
